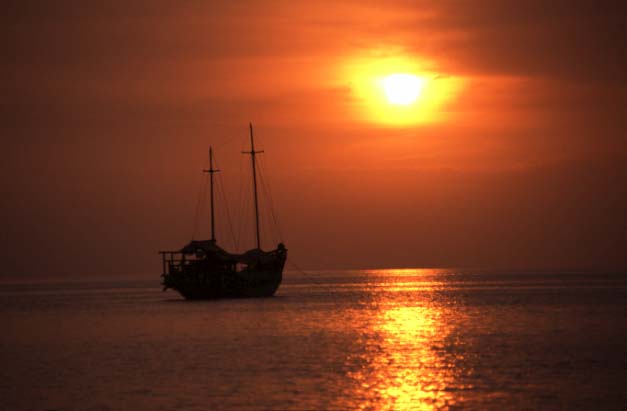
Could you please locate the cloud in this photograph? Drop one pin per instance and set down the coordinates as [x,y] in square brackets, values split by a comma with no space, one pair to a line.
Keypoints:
[568,40]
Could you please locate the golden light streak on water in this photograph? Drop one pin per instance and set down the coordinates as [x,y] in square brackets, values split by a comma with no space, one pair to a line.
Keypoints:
[403,363]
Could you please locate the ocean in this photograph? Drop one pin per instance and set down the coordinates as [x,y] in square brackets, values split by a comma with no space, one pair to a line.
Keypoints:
[410,339]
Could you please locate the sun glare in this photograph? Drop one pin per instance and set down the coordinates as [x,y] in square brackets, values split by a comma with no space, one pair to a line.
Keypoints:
[392,88]
[402,89]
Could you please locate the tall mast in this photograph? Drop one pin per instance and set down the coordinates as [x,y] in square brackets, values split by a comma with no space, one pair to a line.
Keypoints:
[211,171]
[252,153]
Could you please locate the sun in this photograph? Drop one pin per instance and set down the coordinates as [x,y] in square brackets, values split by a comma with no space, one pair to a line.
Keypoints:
[402,89]
[391,87]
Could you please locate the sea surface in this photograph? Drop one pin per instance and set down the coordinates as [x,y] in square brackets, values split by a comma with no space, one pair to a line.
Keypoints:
[411,339]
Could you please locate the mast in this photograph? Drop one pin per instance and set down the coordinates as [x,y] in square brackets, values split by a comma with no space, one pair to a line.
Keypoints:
[252,153]
[211,171]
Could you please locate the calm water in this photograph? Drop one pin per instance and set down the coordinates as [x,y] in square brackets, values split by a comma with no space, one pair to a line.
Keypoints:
[372,340]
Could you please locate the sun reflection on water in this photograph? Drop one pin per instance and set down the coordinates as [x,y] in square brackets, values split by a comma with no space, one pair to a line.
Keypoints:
[404,365]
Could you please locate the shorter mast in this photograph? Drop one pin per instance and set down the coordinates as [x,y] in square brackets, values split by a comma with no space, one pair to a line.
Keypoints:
[211,171]
[252,153]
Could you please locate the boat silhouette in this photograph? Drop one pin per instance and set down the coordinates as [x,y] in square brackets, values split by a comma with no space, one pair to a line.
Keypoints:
[204,270]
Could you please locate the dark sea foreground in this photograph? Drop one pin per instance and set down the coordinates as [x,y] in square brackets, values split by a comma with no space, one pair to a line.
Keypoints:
[343,340]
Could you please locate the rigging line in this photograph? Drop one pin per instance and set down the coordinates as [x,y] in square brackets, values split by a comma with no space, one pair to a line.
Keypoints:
[247,207]
[242,202]
[269,217]
[266,186]
[226,207]
[234,206]
[303,272]
[227,141]
[273,210]
[201,197]
[334,297]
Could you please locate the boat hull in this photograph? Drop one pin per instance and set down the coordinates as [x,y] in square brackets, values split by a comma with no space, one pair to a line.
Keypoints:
[205,281]
[245,284]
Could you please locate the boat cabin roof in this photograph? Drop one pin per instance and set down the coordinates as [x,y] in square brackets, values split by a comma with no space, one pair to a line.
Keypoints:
[210,247]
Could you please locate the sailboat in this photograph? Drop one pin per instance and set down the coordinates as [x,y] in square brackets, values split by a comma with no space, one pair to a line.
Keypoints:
[204,270]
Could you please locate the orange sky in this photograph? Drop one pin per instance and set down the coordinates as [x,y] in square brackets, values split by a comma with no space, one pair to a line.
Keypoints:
[516,160]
